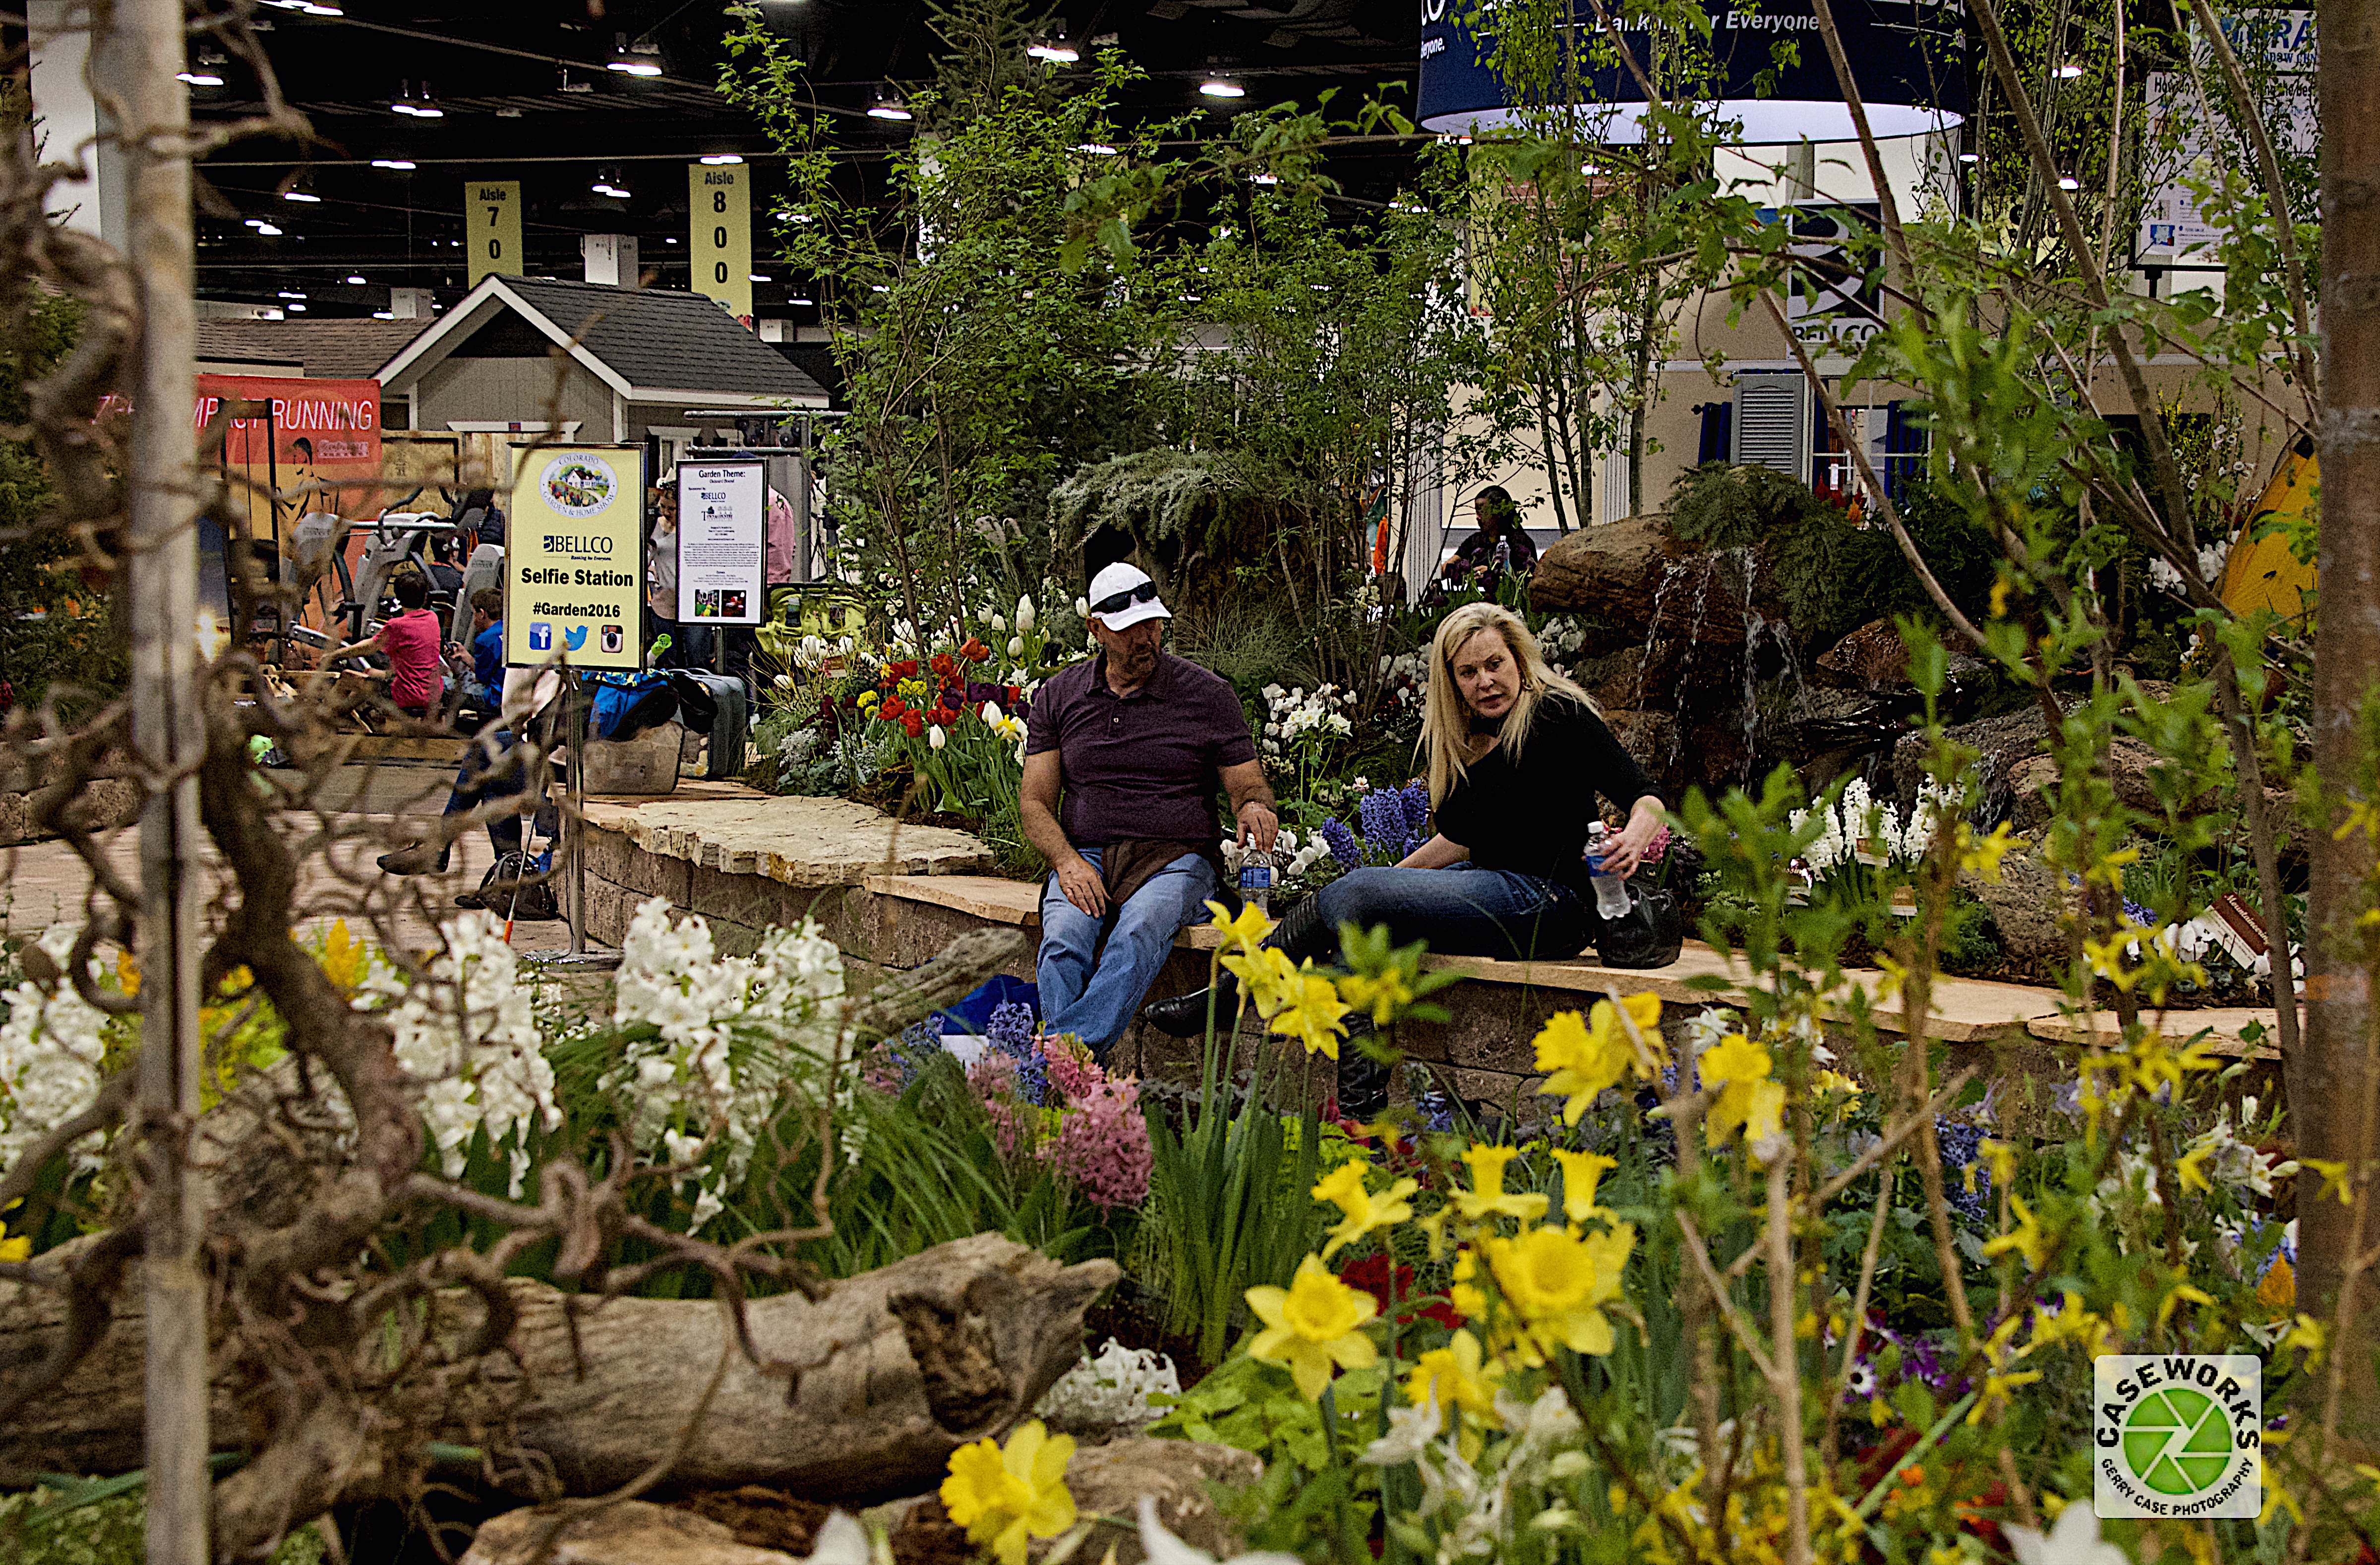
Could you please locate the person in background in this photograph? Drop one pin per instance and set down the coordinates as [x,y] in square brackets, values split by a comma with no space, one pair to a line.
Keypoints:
[689,643]
[445,577]
[488,647]
[1499,547]
[1123,756]
[411,643]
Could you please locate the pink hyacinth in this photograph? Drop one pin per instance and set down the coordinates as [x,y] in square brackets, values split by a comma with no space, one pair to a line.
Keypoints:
[1072,1070]
[1102,1145]
[992,1078]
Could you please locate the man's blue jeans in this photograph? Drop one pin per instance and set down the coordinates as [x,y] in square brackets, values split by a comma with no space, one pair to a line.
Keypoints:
[1463,911]
[1095,994]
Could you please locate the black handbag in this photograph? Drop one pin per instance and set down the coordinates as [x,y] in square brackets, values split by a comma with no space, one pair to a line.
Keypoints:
[1650,934]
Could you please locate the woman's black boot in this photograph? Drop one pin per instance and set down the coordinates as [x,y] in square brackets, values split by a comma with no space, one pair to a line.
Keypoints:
[1363,1081]
[1300,934]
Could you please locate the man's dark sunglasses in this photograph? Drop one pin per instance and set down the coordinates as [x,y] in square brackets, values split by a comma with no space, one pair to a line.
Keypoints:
[1145,593]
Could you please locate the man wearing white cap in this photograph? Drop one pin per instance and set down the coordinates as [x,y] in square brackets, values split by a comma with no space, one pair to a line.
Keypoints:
[1123,756]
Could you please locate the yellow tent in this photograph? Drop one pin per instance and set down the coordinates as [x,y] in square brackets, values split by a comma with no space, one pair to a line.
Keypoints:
[2261,573]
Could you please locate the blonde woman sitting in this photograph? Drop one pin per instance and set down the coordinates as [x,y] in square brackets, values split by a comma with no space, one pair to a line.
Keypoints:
[1517,755]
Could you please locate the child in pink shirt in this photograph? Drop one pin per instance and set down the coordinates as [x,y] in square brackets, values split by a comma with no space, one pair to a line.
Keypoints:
[411,642]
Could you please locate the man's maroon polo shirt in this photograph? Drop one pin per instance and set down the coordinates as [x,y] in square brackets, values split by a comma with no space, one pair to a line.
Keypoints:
[1143,768]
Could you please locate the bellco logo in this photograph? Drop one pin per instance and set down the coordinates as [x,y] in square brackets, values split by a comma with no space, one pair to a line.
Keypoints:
[2177,1435]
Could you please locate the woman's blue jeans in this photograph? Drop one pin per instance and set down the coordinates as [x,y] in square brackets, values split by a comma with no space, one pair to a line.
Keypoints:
[1461,911]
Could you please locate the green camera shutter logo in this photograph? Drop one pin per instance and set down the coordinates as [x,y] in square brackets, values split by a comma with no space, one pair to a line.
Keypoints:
[2177,1435]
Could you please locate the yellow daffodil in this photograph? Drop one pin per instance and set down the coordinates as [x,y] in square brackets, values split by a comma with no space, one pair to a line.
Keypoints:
[1558,1281]
[1266,975]
[1385,996]
[1312,1011]
[1583,1055]
[1581,1173]
[343,959]
[999,1497]
[2026,1239]
[1245,933]
[1462,1384]
[1314,1323]
[1485,1198]
[1366,1213]
[1737,1069]
[2190,1167]
[1830,1083]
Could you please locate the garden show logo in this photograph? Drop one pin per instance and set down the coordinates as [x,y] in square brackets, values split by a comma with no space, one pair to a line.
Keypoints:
[2177,1435]
[579,486]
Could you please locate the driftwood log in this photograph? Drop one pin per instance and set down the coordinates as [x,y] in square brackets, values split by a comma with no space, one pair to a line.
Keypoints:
[897,1369]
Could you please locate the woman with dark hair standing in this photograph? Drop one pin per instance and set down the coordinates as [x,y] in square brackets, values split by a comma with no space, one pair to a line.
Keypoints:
[1517,754]
[1478,562]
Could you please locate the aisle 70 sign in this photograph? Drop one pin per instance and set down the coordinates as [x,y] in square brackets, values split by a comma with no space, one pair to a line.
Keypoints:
[492,227]
[719,235]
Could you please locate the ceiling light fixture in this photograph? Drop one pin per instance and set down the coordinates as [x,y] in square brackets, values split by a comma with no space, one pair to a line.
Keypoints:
[892,108]
[605,187]
[383,315]
[755,277]
[1057,50]
[799,298]
[202,76]
[1971,157]
[2067,182]
[305,196]
[404,165]
[289,294]
[353,278]
[1096,148]
[1221,87]
[267,229]
[2067,71]
[1265,178]
[632,66]
[299,308]
[721,160]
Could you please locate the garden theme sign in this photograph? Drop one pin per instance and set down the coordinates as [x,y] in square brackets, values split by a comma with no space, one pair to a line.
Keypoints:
[723,514]
[575,582]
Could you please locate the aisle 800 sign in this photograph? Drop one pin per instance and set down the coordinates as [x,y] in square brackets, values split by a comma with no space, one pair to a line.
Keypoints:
[2177,1435]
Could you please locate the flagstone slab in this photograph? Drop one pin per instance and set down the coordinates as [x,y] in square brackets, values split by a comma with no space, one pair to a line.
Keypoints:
[794,842]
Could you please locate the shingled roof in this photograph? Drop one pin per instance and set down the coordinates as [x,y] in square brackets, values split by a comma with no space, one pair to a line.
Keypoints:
[649,339]
[332,350]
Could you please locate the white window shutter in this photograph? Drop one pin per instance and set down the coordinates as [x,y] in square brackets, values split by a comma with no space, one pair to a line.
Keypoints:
[1771,428]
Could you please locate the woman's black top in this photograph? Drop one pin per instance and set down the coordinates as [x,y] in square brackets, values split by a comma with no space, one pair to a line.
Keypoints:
[1530,813]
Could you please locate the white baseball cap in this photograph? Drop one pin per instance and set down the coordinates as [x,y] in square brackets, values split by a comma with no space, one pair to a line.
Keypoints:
[1137,594]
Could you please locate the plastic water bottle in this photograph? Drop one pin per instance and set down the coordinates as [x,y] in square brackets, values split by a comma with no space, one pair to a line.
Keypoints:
[1610,891]
[1256,880]
[1503,556]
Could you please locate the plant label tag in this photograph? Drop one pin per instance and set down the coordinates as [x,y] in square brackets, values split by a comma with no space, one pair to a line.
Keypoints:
[2177,1435]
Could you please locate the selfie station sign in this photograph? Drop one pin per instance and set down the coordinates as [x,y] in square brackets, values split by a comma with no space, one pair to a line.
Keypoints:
[722,517]
[574,588]
[1907,57]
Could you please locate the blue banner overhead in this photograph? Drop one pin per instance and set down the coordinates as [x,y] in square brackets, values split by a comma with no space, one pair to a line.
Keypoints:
[1907,55]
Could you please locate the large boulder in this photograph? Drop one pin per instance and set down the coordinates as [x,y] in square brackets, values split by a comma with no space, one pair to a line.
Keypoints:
[1109,1481]
[1875,658]
[1629,579]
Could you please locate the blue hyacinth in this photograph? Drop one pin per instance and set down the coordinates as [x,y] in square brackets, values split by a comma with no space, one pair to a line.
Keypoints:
[1960,1144]
[1342,844]
[917,1043]
[1386,836]
[1011,1032]
[1414,797]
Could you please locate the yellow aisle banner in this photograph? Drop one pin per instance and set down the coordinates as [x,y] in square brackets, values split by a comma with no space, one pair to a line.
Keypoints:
[492,227]
[720,234]
[2261,573]
[575,586]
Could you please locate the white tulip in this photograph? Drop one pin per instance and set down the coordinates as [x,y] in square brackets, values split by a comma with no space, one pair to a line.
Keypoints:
[1016,645]
[1081,608]
[1000,622]
[991,714]
[1024,614]
[785,681]
[936,737]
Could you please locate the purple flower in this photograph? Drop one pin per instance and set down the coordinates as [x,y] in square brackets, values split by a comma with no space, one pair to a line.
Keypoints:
[1011,1032]
[1384,815]
[1102,1146]
[1415,798]
[1342,843]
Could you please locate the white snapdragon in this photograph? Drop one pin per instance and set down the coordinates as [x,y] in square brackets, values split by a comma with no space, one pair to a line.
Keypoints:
[692,1079]
[470,1040]
[1111,1389]
[50,1054]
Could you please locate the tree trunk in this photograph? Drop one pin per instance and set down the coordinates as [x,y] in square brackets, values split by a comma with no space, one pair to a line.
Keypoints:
[142,43]
[880,1381]
[2331,1079]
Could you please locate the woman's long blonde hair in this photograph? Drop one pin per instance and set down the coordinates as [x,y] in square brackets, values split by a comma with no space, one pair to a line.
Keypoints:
[1446,717]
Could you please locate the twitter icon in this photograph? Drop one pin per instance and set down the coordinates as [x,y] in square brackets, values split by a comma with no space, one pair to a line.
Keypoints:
[575,638]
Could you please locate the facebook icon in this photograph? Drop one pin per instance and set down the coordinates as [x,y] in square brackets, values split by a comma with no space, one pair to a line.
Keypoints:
[541,637]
